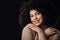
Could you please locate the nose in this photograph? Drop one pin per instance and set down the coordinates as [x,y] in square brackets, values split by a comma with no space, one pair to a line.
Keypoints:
[35,17]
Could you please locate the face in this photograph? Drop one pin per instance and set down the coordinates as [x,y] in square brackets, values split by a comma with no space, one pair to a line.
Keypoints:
[36,17]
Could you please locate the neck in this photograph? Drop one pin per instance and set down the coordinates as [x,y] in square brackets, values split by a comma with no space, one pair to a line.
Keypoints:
[43,26]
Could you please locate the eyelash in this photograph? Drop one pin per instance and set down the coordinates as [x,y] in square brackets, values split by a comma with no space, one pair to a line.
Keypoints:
[36,14]
[31,16]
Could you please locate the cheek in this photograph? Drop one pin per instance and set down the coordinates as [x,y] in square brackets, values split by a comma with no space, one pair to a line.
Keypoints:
[31,19]
[40,18]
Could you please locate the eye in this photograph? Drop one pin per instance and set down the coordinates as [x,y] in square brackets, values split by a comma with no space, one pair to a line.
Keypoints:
[31,15]
[37,13]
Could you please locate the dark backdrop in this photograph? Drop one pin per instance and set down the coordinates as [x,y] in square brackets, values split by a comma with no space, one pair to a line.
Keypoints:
[54,18]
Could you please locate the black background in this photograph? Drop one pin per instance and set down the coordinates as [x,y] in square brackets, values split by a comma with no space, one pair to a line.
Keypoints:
[10,29]
[57,7]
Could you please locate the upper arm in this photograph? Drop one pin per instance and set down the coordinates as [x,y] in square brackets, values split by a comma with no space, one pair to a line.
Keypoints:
[27,34]
[56,36]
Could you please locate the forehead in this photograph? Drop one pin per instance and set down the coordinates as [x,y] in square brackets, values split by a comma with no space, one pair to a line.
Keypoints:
[33,11]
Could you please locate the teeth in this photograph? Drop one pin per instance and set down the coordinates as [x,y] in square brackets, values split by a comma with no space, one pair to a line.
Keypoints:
[36,21]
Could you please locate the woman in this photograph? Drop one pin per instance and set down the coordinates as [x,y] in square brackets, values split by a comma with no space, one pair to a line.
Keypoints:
[36,28]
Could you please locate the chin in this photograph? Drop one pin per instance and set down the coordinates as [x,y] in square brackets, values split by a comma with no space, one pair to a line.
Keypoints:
[37,24]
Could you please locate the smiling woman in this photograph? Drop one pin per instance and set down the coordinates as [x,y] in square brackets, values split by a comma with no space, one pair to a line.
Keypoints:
[36,17]
[35,27]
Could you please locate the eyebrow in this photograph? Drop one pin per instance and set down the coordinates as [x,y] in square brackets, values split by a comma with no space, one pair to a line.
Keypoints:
[37,11]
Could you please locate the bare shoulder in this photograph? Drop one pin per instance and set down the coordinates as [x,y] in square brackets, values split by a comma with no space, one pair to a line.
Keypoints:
[28,25]
[56,29]
[26,29]
[27,33]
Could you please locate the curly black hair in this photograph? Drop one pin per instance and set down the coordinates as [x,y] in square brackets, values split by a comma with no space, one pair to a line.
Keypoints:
[42,6]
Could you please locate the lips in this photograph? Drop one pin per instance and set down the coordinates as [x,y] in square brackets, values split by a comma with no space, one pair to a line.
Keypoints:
[36,21]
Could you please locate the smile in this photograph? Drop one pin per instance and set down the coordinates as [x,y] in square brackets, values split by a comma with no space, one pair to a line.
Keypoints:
[37,21]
